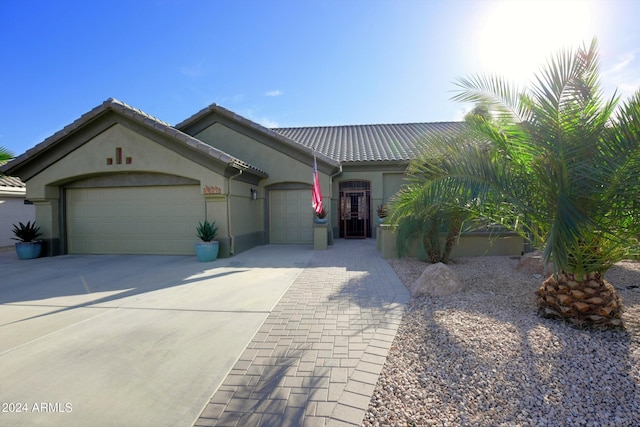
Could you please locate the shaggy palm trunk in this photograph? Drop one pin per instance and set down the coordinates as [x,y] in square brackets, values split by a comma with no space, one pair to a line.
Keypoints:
[451,238]
[431,242]
[590,303]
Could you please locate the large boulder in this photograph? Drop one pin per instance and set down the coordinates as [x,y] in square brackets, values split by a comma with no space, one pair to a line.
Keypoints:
[437,280]
[532,263]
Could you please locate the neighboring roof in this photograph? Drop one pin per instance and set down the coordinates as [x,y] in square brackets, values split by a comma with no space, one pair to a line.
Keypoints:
[147,120]
[11,181]
[282,138]
[364,143]
[10,185]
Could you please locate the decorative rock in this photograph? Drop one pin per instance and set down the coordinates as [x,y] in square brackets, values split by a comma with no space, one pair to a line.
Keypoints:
[461,361]
[532,263]
[437,280]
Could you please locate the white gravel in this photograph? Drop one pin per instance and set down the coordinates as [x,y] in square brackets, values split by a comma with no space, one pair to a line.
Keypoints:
[485,358]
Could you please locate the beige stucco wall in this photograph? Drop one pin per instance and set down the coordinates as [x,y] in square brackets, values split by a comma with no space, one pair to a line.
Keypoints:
[391,182]
[147,156]
[469,244]
[91,159]
[12,211]
[281,167]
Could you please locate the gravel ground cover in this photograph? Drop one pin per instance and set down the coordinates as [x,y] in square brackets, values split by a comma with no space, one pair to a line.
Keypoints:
[485,358]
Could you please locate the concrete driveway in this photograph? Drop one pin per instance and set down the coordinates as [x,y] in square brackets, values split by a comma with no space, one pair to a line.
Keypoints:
[121,340]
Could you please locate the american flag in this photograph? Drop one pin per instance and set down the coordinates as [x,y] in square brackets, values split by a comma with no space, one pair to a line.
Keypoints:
[316,193]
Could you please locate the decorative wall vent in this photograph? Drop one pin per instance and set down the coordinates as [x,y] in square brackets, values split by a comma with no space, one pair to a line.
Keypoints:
[118,158]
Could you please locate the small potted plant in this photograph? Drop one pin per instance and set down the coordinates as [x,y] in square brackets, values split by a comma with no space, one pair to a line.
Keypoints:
[207,249]
[321,217]
[382,213]
[26,234]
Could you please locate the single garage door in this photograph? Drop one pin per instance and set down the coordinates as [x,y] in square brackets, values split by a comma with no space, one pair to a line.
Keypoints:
[290,216]
[133,220]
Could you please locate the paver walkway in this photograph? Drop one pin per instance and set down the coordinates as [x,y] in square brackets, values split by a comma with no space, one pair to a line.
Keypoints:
[316,359]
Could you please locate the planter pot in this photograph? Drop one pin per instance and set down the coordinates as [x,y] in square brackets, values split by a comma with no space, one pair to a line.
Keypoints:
[321,220]
[28,250]
[207,251]
[380,220]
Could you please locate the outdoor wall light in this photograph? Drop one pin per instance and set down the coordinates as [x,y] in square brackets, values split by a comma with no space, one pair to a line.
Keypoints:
[254,194]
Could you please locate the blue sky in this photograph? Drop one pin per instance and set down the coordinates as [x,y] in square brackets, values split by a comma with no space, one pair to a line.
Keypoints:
[286,63]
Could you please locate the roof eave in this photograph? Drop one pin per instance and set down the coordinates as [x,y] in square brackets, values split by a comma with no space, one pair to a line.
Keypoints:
[228,114]
[111,104]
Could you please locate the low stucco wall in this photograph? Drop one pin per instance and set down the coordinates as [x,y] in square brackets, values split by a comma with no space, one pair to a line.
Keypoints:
[12,211]
[470,244]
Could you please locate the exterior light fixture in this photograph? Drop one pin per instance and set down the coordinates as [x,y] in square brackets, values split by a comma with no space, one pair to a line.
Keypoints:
[254,194]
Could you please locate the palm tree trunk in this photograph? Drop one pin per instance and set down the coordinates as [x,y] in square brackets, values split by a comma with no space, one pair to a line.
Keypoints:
[589,303]
[451,238]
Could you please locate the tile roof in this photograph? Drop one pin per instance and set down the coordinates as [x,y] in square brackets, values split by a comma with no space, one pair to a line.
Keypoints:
[11,186]
[364,143]
[11,181]
[144,118]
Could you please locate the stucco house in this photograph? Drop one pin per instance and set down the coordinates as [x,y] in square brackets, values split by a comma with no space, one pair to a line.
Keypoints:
[14,208]
[119,181]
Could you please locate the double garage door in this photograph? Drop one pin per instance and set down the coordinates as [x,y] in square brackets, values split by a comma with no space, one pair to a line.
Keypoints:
[162,219]
[290,216]
[133,220]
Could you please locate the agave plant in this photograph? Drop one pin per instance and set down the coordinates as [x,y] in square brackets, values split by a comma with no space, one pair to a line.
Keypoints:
[207,231]
[557,163]
[28,232]
[322,214]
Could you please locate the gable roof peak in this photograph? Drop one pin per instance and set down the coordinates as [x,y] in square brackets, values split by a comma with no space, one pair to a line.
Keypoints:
[140,116]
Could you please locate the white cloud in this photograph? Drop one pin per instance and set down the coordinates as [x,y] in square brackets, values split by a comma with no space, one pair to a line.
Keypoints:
[193,70]
[250,114]
[273,93]
[624,75]
[621,65]
[268,123]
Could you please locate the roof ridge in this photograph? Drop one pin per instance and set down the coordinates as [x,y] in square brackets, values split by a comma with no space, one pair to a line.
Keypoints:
[368,125]
[361,143]
[120,104]
[146,119]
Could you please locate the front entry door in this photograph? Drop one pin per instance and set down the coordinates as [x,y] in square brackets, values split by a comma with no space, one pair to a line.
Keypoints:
[354,210]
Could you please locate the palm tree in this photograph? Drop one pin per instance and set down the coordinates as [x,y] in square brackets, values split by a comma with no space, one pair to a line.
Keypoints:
[557,163]
[424,225]
[423,219]
[5,155]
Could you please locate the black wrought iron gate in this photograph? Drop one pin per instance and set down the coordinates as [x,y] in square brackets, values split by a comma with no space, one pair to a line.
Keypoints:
[355,210]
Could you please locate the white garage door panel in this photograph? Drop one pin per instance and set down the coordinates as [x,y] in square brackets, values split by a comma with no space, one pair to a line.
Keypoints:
[290,216]
[134,220]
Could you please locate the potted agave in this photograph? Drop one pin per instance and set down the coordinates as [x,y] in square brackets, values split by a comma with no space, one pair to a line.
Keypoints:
[26,234]
[207,249]
[382,213]
[321,217]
